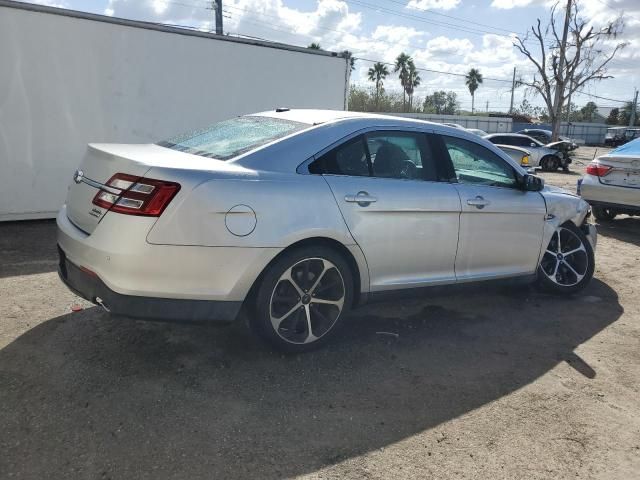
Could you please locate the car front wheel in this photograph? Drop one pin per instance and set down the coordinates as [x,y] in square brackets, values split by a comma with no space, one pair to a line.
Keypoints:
[550,163]
[303,297]
[568,262]
[604,214]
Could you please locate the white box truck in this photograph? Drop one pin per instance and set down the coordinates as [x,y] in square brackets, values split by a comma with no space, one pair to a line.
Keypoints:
[69,78]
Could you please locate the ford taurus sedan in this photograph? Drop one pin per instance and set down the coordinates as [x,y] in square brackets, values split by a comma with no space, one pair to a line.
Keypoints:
[298,216]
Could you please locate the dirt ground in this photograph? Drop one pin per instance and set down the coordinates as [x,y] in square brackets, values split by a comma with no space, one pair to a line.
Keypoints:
[502,384]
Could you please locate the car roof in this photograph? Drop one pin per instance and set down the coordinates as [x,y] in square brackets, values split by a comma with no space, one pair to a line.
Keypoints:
[319,117]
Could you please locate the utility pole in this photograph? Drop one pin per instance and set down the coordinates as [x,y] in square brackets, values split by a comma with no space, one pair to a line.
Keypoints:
[487,106]
[513,87]
[634,106]
[559,77]
[216,6]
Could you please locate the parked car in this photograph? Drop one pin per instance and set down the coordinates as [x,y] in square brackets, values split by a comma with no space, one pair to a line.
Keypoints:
[519,155]
[477,131]
[300,215]
[617,136]
[546,137]
[612,182]
[548,158]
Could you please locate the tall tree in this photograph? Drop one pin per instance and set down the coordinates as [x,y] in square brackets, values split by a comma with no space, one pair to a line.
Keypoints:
[413,81]
[441,103]
[570,55]
[377,74]
[401,67]
[314,46]
[352,60]
[612,119]
[473,79]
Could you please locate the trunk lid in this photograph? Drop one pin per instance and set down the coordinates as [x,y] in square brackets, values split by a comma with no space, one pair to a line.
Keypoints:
[100,163]
[625,171]
[625,163]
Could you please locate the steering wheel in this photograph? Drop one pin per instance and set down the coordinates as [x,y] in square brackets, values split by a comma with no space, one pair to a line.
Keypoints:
[408,169]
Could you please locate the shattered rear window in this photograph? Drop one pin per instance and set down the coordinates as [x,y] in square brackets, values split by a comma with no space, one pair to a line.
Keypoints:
[230,138]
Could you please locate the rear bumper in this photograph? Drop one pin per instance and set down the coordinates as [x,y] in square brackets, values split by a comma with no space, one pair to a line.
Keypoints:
[596,193]
[91,288]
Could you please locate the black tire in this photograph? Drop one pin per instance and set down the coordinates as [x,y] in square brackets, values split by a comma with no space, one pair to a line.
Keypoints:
[582,262]
[325,319]
[549,163]
[604,214]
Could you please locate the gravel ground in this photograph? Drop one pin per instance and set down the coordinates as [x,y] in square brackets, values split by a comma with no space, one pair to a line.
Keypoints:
[505,384]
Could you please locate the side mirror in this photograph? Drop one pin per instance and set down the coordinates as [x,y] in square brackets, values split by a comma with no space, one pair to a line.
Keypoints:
[532,144]
[532,183]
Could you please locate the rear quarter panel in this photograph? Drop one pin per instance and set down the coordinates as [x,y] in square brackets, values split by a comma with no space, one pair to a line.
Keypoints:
[288,208]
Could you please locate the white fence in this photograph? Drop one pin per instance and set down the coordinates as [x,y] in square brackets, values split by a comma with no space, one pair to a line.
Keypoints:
[69,78]
[487,124]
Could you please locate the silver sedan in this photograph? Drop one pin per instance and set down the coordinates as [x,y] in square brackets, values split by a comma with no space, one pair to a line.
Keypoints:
[294,217]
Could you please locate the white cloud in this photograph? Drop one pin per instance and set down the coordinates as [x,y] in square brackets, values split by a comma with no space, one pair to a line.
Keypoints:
[447,47]
[509,4]
[433,4]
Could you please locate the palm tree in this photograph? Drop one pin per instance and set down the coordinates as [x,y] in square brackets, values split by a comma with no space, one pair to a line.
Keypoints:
[474,79]
[377,74]
[352,59]
[402,68]
[314,46]
[413,80]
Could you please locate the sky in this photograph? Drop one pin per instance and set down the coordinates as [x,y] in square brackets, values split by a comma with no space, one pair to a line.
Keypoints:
[443,35]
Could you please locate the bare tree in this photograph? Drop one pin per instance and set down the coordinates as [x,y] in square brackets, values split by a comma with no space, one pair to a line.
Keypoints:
[568,60]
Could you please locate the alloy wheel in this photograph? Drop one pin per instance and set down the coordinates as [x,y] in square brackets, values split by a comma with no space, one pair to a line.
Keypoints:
[565,261]
[307,300]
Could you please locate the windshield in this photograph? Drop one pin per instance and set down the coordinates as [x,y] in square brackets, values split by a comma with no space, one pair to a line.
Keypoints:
[230,138]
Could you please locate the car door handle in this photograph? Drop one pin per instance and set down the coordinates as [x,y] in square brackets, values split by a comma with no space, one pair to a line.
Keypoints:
[478,202]
[361,198]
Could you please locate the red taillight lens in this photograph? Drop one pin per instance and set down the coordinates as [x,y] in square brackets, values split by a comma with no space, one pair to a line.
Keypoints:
[136,195]
[598,170]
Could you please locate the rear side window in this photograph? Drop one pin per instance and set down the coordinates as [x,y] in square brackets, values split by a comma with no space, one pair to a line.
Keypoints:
[402,155]
[350,158]
[230,138]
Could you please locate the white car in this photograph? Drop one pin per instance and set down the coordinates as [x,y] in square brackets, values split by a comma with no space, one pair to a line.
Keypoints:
[544,156]
[612,182]
[521,156]
[297,216]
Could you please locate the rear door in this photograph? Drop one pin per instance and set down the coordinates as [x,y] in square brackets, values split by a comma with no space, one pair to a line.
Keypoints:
[501,225]
[387,186]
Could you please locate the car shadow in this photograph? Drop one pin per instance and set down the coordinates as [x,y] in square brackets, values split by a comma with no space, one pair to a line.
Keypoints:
[27,247]
[625,229]
[87,395]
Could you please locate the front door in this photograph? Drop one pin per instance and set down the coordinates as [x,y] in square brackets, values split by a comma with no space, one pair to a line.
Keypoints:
[387,187]
[500,225]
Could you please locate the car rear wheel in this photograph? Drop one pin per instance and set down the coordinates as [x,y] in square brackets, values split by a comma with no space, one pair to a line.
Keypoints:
[604,214]
[303,298]
[549,163]
[568,262]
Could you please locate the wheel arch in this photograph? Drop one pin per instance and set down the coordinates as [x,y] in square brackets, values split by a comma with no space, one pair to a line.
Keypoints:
[359,271]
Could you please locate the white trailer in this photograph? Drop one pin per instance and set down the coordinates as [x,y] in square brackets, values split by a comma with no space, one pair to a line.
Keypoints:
[69,78]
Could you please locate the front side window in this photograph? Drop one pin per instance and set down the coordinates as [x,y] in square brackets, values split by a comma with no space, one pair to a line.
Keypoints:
[350,158]
[230,138]
[475,164]
[402,155]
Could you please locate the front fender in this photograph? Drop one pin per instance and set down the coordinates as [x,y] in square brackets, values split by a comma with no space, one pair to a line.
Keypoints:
[562,207]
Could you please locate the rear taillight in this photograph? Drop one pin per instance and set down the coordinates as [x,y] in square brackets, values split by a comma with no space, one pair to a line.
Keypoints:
[133,195]
[598,170]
